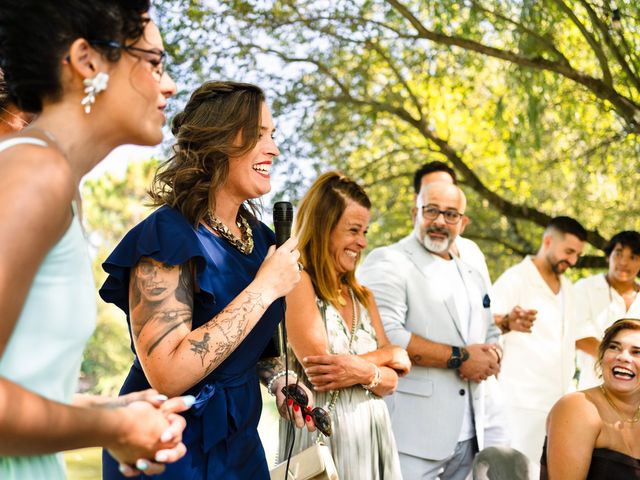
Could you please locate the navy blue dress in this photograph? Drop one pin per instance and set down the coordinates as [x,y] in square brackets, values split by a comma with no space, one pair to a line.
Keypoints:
[221,434]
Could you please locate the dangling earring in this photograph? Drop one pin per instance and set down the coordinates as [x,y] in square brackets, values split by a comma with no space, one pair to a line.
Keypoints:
[93,86]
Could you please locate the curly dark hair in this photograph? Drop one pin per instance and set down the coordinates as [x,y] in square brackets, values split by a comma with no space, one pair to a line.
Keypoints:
[206,137]
[35,36]
[5,101]
[626,238]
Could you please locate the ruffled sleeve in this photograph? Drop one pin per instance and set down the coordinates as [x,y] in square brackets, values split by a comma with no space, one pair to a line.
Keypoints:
[166,236]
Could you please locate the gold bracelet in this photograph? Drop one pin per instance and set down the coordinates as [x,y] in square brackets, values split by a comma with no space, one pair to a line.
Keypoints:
[377,378]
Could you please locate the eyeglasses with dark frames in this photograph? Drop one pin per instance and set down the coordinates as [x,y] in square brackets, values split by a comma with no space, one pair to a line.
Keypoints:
[157,63]
[450,216]
[320,416]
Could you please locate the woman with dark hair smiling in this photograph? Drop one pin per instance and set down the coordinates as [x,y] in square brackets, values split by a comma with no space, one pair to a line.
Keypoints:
[93,73]
[593,434]
[201,282]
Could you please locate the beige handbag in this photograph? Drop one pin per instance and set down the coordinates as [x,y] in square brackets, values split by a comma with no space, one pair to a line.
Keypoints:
[313,463]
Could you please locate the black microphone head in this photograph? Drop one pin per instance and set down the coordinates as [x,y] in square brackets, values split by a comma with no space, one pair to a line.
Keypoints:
[282,212]
[282,221]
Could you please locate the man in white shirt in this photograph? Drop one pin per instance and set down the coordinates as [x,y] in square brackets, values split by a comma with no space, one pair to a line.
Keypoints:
[538,367]
[437,307]
[604,298]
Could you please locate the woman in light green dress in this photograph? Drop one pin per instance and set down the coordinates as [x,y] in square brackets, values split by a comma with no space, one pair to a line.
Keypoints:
[91,96]
[335,333]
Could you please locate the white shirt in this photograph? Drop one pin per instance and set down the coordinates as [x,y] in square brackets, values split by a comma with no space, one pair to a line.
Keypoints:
[470,253]
[538,367]
[597,306]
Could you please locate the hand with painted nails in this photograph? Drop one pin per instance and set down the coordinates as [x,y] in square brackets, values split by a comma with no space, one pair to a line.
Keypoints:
[150,432]
[291,410]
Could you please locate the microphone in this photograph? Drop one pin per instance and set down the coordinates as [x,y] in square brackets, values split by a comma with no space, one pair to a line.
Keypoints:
[282,221]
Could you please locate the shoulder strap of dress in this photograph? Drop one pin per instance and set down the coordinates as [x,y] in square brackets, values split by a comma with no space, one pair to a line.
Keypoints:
[21,140]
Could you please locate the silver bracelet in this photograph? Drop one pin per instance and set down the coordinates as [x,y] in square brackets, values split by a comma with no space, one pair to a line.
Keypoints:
[377,378]
[276,377]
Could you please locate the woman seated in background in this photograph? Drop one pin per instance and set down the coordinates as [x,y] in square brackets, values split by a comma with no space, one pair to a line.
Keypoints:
[336,334]
[593,434]
[201,283]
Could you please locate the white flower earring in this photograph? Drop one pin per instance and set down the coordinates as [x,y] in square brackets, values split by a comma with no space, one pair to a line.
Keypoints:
[93,86]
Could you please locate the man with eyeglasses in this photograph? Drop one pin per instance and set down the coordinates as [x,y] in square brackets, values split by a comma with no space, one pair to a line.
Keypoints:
[437,307]
[538,367]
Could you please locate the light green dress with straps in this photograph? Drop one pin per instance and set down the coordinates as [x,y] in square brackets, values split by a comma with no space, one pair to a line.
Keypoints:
[362,442]
[44,351]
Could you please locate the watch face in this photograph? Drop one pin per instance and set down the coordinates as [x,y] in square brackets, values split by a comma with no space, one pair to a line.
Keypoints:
[454,362]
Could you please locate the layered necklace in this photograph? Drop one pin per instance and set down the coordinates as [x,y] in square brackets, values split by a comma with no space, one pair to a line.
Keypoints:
[244,244]
[634,419]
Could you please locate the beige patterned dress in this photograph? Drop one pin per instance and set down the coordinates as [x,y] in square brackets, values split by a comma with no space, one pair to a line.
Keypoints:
[362,442]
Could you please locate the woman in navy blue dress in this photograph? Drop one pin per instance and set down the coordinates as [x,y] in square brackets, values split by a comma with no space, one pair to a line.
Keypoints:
[202,286]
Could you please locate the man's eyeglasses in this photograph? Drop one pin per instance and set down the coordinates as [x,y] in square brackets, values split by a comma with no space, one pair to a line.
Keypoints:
[450,216]
[155,57]
[320,416]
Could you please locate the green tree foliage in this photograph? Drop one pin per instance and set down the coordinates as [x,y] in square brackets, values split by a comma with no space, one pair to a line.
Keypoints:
[111,206]
[535,103]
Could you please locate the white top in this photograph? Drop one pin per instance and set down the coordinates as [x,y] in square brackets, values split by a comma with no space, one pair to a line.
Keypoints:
[453,286]
[538,367]
[598,306]
[471,254]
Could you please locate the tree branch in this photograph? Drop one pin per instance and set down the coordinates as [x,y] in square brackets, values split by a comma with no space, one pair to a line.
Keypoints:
[625,107]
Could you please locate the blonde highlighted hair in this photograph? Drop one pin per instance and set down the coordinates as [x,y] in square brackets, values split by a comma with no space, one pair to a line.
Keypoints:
[318,214]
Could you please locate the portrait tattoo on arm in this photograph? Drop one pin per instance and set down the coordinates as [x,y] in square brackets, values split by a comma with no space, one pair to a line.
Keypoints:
[160,299]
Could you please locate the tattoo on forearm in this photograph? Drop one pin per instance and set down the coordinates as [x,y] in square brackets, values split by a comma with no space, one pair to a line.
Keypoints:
[416,358]
[230,326]
[201,347]
[269,367]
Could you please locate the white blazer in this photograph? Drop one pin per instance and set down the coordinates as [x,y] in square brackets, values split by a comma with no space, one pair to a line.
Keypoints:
[428,407]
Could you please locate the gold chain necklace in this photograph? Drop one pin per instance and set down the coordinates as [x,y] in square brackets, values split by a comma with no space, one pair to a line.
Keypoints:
[634,419]
[243,244]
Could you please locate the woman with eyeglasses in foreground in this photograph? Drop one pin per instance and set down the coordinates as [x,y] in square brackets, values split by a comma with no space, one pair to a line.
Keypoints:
[89,99]
[337,337]
[201,283]
[593,434]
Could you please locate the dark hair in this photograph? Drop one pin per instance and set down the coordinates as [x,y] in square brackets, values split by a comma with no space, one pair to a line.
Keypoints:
[206,134]
[627,238]
[4,93]
[35,36]
[610,333]
[318,214]
[567,225]
[435,166]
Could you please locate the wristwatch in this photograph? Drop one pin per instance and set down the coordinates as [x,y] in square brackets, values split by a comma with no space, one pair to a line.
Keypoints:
[459,355]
